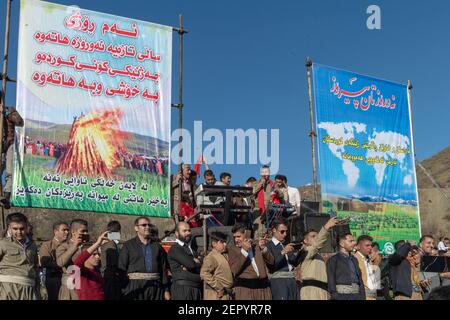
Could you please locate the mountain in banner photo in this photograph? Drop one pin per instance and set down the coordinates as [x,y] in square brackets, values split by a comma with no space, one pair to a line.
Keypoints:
[59,133]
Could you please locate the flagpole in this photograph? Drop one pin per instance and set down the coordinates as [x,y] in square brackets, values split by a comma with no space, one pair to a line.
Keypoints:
[312,133]
[4,76]
[180,106]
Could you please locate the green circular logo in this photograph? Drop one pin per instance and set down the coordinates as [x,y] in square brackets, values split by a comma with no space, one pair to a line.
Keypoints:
[388,248]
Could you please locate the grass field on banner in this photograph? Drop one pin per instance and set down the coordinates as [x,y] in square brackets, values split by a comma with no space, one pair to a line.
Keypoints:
[35,168]
[395,222]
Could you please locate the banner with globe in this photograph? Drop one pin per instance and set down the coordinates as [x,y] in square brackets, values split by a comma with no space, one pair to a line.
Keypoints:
[94,91]
[366,154]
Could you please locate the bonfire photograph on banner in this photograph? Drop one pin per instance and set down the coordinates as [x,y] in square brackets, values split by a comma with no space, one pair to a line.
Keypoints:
[94,91]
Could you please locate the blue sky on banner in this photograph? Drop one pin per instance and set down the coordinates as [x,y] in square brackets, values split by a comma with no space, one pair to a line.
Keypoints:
[244,63]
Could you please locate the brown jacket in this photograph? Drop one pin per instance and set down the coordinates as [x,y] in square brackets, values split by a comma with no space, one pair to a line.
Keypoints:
[17,260]
[66,253]
[241,266]
[216,274]
[47,255]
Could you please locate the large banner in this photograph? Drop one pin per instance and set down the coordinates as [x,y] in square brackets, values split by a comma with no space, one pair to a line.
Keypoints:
[366,154]
[95,93]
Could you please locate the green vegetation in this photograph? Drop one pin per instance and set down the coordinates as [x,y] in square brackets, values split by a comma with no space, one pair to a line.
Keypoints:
[36,167]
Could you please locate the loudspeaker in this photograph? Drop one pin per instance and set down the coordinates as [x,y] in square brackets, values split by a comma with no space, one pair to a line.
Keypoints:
[296,228]
[307,207]
[197,236]
[316,222]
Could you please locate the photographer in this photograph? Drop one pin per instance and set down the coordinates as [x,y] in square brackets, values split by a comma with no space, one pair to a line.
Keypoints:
[279,191]
[248,262]
[406,283]
[67,252]
[91,280]
[282,279]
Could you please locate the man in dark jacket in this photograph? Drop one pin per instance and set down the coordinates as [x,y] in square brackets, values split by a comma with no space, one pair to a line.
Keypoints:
[282,281]
[344,275]
[144,262]
[185,266]
[406,284]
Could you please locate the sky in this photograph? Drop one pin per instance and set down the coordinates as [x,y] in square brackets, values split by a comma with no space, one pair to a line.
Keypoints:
[244,63]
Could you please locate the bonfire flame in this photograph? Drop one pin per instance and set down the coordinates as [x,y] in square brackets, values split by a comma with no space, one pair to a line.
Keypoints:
[94,145]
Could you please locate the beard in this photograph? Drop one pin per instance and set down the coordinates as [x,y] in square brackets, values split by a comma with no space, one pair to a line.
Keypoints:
[185,239]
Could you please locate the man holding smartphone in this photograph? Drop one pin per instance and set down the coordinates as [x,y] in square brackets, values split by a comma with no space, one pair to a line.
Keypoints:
[66,253]
[248,262]
[282,281]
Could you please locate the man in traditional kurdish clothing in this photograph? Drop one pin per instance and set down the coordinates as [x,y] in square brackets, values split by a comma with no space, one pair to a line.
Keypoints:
[344,275]
[19,276]
[368,274]
[185,266]
[215,271]
[406,283]
[313,269]
[10,121]
[282,278]
[66,253]
[47,259]
[110,264]
[248,265]
[144,262]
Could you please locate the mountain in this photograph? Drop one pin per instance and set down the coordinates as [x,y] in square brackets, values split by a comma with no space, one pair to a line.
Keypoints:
[434,206]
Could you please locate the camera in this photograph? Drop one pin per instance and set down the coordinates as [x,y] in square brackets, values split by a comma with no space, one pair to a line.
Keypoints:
[85,237]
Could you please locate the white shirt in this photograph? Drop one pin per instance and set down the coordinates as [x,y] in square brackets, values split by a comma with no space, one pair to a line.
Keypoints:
[370,273]
[250,255]
[441,246]
[181,243]
[276,242]
[294,197]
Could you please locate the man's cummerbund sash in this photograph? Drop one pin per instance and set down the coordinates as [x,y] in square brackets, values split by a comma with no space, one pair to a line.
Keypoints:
[347,289]
[282,275]
[371,293]
[25,281]
[252,283]
[188,283]
[226,290]
[314,283]
[143,276]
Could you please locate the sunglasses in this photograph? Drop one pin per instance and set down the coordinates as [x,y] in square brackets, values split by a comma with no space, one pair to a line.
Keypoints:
[283,231]
[145,225]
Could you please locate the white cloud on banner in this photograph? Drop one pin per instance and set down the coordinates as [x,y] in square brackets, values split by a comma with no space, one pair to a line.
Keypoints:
[344,130]
[392,139]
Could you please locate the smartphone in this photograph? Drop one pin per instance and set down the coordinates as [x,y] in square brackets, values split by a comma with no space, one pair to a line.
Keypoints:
[297,246]
[114,236]
[85,237]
